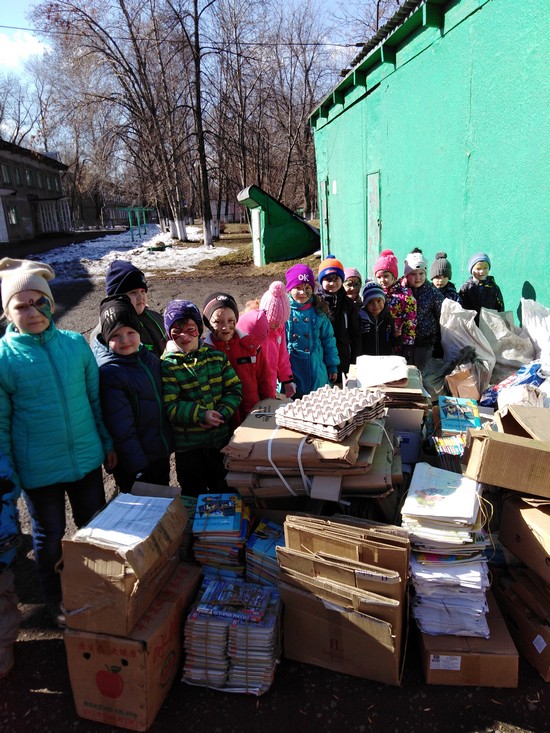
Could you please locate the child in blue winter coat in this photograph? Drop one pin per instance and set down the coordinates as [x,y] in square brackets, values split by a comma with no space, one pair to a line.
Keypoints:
[9,529]
[51,427]
[130,383]
[309,334]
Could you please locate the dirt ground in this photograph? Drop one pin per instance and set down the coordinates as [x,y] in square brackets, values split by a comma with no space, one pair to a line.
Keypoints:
[37,695]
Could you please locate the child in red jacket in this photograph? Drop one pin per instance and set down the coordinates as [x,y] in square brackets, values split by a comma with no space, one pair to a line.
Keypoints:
[220,316]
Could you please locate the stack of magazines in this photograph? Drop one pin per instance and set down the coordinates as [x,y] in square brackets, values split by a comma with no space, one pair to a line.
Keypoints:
[442,513]
[220,530]
[232,637]
[261,555]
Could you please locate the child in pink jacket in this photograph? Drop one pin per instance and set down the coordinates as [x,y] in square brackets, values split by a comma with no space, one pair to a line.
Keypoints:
[276,305]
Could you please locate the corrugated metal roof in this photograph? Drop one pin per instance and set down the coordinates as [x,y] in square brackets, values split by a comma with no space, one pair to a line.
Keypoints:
[408,7]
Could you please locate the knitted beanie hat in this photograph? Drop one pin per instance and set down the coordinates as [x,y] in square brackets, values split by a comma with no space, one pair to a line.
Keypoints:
[387,262]
[122,277]
[331,266]
[350,272]
[181,310]
[19,275]
[299,275]
[275,303]
[255,324]
[478,257]
[116,311]
[441,267]
[215,301]
[415,260]
[372,290]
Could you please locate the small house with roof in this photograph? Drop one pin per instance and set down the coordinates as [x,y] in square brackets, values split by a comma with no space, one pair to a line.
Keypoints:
[438,137]
[31,194]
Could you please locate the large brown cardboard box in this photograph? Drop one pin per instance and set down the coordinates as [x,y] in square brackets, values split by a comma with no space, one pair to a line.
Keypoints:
[470,660]
[345,641]
[525,531]
[123,681]
[114,567]
[529,631]
[515,463]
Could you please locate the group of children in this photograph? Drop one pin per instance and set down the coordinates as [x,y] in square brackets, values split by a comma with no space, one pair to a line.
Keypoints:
[151,385]
[401,315]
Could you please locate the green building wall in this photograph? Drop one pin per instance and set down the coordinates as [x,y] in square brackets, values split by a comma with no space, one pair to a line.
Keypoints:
[442,143]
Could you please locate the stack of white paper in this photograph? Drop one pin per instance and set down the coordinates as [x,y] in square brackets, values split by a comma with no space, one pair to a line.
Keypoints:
[448,567]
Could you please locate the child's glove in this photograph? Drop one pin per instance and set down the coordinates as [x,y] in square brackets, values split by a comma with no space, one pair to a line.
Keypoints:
[289,389]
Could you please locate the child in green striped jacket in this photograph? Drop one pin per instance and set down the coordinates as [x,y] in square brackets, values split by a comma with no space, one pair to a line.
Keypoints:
[201,394]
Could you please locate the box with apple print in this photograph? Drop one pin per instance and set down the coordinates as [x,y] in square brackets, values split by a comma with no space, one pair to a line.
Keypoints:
[123,681]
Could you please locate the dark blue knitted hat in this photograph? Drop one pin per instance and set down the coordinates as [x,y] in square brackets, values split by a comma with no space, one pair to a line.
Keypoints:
[122,277]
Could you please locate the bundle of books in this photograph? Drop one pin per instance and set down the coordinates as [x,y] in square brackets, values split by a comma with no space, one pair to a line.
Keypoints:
[232,637]
[220,529]
[266,460]
[261,554]
[448,566]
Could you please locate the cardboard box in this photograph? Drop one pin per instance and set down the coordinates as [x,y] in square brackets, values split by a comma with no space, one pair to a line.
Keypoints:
[124,681]
[407,425]
[525,530]
[343,583]
[512,462]
[115,566]
[470,660]
[530,633]
[524,421]
[317,632]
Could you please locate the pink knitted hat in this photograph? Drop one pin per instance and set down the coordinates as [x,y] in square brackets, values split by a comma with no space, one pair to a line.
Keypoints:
[352,272]
[275,303]
[387,261]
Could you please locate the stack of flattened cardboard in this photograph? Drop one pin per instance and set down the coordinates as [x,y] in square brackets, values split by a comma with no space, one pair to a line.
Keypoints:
[124,593]
[266,460]
[344,586]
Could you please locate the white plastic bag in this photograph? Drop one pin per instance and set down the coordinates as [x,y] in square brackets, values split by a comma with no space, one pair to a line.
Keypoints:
[535,319]
[511,345]
[520,394]
[458,329]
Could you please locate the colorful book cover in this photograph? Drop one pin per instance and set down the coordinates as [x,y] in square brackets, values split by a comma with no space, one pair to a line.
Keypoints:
[457,414]
[265,538]
[235,599]
[218,513]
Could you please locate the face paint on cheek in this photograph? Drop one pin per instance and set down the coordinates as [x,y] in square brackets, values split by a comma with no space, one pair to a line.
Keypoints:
[44,307]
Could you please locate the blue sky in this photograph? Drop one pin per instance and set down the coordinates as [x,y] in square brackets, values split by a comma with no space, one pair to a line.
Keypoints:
[16,46]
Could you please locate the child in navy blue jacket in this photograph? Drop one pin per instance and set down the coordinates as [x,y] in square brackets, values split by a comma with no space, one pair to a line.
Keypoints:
[481,290]
[131,397]
[377,324]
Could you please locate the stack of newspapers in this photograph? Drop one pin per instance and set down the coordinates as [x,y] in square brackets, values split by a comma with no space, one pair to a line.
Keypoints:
[232,637]
[442,513]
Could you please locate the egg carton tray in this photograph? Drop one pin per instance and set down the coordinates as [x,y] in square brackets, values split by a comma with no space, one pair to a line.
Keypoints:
[331,413]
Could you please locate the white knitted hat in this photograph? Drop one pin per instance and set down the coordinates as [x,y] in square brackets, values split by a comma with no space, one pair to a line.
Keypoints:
[18,275]
[415,260]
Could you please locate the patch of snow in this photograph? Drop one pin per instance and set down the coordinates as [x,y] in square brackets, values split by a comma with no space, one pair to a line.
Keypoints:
[91,259]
